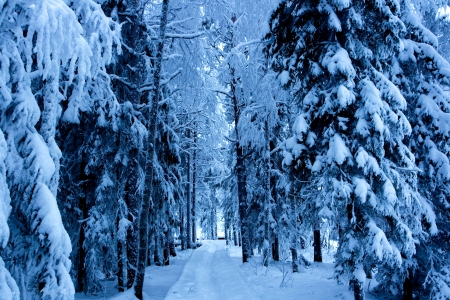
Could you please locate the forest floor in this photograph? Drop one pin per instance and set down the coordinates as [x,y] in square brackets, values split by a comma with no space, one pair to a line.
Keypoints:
[215,271]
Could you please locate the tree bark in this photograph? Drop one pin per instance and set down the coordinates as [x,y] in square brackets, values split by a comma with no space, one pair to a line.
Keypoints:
[152,121]
[157,253]
[166,251]
[227,235]
[408,287]
[294,259]
[121,265]
[194,187]
[133,200]
[317,246]
[241,175]
[358,290]
[189,197]
[182,236]
[275,249]
[82,205]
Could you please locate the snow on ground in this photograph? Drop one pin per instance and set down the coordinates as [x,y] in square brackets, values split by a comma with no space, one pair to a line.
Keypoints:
[211,274]
[215,271]
[315,282]
[157,283]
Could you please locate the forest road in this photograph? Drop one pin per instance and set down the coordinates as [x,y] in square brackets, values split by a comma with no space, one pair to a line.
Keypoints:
[210,274]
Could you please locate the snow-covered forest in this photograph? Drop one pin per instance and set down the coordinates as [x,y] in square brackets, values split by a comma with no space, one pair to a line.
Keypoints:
[131,130]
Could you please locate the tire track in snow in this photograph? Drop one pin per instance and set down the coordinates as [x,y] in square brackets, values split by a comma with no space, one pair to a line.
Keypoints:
[210,274]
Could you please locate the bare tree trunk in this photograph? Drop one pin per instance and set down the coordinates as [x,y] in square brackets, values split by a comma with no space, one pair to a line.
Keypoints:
[408,287]
[317,246]
[241,176]
[133,201]
[276,249]
[358,289]
[82,205]
[166,250]
[294,258]
[157,253]
[215,224]
[182,236]
[172,251]
[294,235]
[189,197]
[152,121]
[194,187]
[122,266]
[226,229]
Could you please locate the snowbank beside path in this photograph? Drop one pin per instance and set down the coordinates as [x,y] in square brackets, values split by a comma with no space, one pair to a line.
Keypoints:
[315,282]
[158,281]
[211,274]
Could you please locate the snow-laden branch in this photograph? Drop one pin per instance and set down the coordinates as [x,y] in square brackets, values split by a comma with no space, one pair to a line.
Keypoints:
[149,85]
[222,92]
[172,76]
[171,24]
[248,43]
[278,147]
[184,35]
[230,139]
[118,78]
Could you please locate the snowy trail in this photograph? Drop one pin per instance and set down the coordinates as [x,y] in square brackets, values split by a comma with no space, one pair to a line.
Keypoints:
[211,274]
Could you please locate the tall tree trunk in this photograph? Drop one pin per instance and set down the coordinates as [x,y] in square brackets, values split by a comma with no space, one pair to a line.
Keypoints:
[408,287]
[172,251]
[121,265]
[215,224]
[294,258]
[182,236]
[227,234]
[157,253]
[241,175]
[294,236]
[194,187]
[133,200]
[166,248]
[267,197]
[275,249]
[317,246]
[189,197]
[152,121]
[82,205]
[358,289]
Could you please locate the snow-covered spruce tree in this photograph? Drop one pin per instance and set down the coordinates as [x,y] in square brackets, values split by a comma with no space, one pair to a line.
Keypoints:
[87,190]
[8,286]
[423,76]
[131,83]
[41,43]
[349,135]
[166,182]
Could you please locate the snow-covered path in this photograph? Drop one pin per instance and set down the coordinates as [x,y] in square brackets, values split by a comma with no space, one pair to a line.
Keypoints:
[211,274]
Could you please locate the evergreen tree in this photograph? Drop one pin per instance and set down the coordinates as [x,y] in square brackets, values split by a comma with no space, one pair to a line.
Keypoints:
[42,46]
[88,178]
[350,130]
[422,76]
[8,286]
